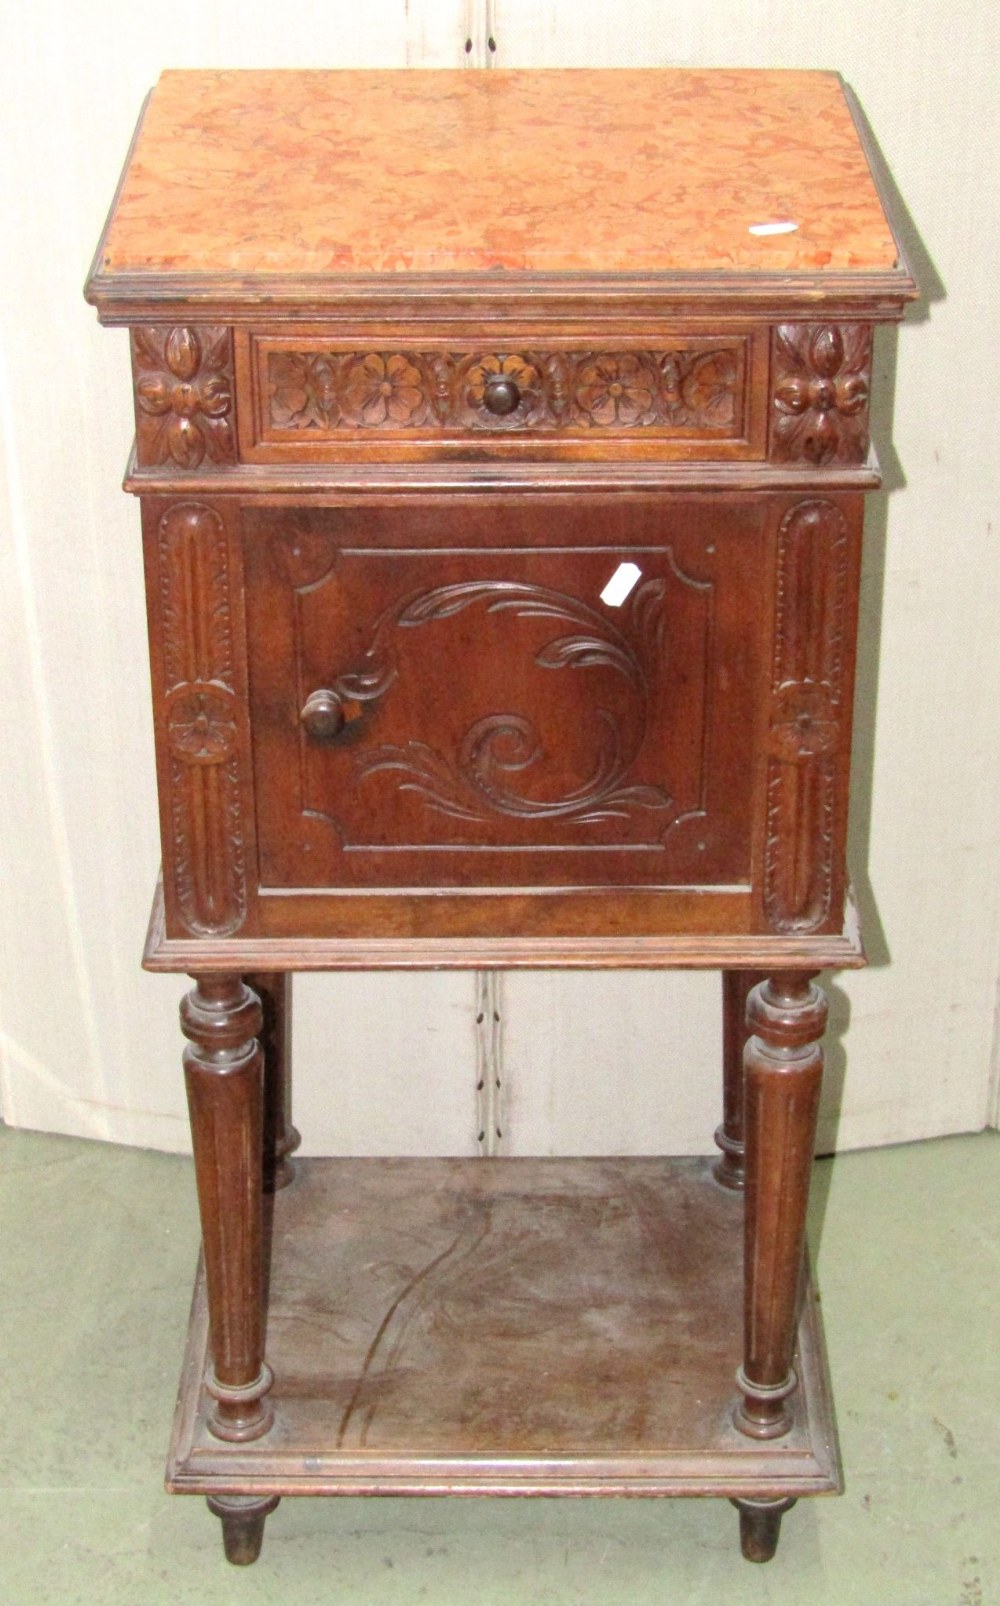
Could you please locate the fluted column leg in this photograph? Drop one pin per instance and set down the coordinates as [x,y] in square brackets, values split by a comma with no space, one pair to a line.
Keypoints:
[274,989]
[736,986]
[783,1072]
[223,1072]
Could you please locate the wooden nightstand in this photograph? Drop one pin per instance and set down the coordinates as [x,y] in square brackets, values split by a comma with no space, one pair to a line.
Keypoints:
[501,442]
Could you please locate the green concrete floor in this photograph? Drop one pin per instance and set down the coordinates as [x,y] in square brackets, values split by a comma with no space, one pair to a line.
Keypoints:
[96,1256]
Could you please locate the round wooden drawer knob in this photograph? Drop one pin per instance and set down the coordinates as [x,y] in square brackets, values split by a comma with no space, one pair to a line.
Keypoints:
[323,715]
[501,395]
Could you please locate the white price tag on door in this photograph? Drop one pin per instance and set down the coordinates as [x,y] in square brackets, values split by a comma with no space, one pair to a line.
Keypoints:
[621,583]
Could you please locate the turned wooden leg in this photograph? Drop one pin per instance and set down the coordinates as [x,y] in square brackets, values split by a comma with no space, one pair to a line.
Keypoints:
[224,1075]
[274,989]
[783,1069]
[243,1518]
[760,1526]
[736,986]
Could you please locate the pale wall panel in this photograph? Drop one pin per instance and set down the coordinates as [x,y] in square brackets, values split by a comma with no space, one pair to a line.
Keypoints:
[624,1062]
[90,1044]
[917,1027]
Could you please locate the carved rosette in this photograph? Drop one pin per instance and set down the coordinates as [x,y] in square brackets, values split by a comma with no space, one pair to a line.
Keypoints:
[183,381]
[200,722]
[806,723]
[692,389]
[821,376]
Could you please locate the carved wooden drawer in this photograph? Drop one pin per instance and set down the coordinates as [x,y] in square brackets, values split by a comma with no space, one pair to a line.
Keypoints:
[312,395]
[208,396]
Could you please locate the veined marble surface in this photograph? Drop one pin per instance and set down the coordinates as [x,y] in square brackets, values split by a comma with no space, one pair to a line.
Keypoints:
[617,171]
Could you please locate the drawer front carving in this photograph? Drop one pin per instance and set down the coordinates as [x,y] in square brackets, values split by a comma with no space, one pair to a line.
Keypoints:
[315,397]
[430,707]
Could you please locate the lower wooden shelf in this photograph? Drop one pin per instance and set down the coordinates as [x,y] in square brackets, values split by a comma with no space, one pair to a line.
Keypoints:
[506,1327]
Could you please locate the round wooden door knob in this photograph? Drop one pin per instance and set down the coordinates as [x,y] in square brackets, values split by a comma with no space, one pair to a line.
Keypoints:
[501,395]
[323,715]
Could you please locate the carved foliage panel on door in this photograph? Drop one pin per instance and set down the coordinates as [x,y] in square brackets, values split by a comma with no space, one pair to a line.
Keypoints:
[485,718]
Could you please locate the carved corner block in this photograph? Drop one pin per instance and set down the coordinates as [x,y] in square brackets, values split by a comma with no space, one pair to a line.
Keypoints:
[199,719]
[183,382]
[807,717]
[820,382]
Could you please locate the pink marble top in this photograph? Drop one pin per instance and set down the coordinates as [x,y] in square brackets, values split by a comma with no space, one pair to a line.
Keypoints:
[612,171]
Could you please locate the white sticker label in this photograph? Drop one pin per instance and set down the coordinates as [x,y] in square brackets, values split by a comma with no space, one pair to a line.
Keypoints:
[773,228]
[621,583]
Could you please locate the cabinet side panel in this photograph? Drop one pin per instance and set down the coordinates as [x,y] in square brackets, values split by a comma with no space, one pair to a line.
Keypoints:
[199,704]
[804,812]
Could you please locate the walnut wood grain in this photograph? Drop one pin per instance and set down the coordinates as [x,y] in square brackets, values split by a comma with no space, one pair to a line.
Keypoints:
[223,1072]
[281,1139]
[400,1288]
[198,673]
[760,1526]
[183,383]
[783,1072]
[820,383]
[812,683]
[736,988]
[307,397]
[243,1517]
[592,757]
[315,391]
[400,480]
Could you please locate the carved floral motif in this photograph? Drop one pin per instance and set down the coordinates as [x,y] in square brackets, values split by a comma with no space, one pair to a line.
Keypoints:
[201,723]
[473,381]
[803,722]
[616,389]
[382,390]
[821,381]
[689,389]
[184,395]
[205,807]
[806,716]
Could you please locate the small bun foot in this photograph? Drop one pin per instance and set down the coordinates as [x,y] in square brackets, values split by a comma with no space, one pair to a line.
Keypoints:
[760,1525]
[729,1169]
[243,1518]
[283,1173]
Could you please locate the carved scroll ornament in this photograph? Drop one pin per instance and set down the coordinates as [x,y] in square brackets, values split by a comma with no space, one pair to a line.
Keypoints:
[480,781]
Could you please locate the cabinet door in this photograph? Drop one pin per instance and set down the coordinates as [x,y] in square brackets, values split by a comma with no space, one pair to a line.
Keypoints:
[482,711]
